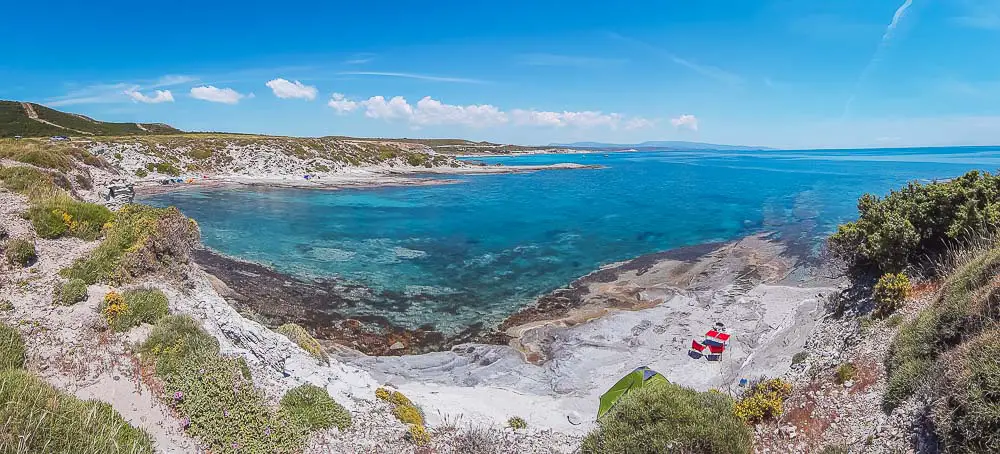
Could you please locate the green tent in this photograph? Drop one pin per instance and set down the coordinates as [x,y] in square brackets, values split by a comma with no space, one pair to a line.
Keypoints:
[636,379]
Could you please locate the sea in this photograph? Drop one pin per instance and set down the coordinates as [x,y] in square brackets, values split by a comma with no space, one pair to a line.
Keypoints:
[475,251]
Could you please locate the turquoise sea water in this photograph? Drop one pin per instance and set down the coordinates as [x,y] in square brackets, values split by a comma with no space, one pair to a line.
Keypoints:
[457,254]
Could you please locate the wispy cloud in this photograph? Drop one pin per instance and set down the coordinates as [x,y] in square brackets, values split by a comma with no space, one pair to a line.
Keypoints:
[285,89]
[689,122]
[544,59]
[158,97]
[413,76]
[106,93]
[981,14]
[220,95]
[360,59]
[430,112]
[897,18]
[709,71]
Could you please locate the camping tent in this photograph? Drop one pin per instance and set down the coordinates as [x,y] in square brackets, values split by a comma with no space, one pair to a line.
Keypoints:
[636,379]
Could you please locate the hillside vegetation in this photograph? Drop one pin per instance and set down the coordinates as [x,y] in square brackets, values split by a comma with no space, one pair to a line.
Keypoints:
[15,120]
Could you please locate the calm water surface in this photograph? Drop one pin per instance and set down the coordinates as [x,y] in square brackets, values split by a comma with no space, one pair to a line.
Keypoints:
[477,250]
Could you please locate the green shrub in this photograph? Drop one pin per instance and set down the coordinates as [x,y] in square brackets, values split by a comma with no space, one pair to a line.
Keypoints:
[313,408]
[174,340]
[890,293]
[40,419]
[20,252]
[141,173]
[226,411]
[894,321]
[304,340]
[141,240]
[763,401]
[6,305]
[141,305]
[834,449]
[58,214]
[418,435]
[517,423]
[665,417]
[70,292]
[11,349]
[800,357]
[845,373]
[918,221]
[408,414]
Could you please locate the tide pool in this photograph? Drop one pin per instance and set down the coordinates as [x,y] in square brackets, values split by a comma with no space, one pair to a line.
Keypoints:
[458,254]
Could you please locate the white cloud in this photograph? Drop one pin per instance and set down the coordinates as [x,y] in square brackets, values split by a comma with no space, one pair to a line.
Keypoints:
[685,122]
[429,112]
[160,96]
[898,16]
[213,94]
[341,104]
[285,89]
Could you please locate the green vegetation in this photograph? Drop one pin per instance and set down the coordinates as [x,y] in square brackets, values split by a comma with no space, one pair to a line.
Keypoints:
[894,321]
[966,411]
[40,418]
[175,338]
[890,293]
[141,240]
[133,308]
[665,417]
[11,349]
[70,292]
[58,214]
[14,121]
[20,252]
[834,449]
[919,221]
[313,408]
[517,423]
[216,395]
[165,168]
[303,339]
[141,173]
[763,401]
[29,180]
[965,306]
[845,373]
[800,357]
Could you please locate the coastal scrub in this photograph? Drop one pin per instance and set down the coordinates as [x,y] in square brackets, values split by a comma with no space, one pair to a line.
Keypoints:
[133,307]
[139,241]
[69,292]
[664,417]
[304,340]
[58,214]
[20,252]
[314,409]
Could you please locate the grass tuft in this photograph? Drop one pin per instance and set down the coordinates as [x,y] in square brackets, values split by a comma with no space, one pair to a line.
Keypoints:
[20,252]
[313,408]
[70,292]
[304,340]
[133,308]
[58,214]
[11,348]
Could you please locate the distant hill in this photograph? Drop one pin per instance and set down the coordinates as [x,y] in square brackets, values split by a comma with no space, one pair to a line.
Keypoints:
[33,120]
[660,145]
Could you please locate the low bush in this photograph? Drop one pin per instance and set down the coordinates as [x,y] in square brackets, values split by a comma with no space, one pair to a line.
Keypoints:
[408,414]
[845,373]
[894,321]
[418,435]
[834,449]
[890,293]
[304,340]
[70,292]
[11,348]
[174,339]
[800,357]
[919,221]
[517,423]
[226,411]
[20,252]
[58,214]
[763,401]
[141,173]
[313,408]
[39,418]
[665,417]
[141,240]
[133,308]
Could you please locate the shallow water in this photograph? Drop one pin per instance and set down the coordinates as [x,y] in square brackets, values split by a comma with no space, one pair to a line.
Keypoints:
[476,251]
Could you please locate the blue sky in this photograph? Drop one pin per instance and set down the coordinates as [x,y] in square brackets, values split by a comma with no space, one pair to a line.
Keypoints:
[782,73]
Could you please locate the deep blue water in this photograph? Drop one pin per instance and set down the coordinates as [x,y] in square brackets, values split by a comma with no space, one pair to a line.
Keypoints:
[477,250]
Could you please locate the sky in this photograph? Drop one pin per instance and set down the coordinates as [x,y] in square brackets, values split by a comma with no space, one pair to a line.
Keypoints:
[779,73]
